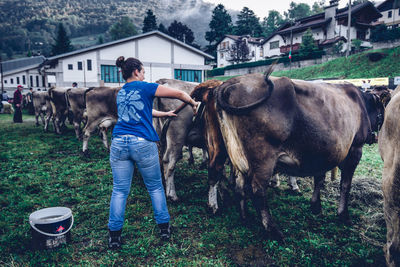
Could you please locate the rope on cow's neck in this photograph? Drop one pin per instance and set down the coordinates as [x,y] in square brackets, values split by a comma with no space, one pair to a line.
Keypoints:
[221,101]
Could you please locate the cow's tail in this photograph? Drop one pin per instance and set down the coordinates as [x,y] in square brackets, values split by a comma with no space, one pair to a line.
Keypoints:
[51,96]
[222,96]
[87,91]
[67,98]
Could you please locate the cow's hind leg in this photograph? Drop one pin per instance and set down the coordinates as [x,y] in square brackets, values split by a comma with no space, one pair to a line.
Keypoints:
[259,186]
[191,158]
[347,168]
[319,181]
[215,175]
[391,196]
[172,155]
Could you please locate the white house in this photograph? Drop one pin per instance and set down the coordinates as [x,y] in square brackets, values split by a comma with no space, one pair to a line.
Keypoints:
[224,48]
[162,57]
[23,71]
[390,13]
[327,28]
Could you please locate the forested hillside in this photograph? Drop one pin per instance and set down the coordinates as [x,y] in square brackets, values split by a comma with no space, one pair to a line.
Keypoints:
[30,25]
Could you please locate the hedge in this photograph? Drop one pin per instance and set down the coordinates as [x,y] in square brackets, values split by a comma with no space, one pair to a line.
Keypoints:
[221,71]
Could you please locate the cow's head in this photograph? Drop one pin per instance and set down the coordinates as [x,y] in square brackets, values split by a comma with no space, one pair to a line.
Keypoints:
[375,102]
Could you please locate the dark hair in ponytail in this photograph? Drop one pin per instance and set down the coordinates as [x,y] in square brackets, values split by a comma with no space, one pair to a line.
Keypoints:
[128,66]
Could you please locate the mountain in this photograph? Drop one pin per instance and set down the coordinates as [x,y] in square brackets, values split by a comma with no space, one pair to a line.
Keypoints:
[30,25]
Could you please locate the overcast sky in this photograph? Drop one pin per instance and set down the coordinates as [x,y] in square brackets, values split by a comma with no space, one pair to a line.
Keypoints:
[261,7]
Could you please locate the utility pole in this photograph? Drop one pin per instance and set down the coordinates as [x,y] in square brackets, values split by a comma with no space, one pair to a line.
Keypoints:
[1,71]
[348,31]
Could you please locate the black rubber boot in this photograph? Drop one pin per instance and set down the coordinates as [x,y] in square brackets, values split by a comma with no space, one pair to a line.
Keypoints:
[114,239]
[165,231]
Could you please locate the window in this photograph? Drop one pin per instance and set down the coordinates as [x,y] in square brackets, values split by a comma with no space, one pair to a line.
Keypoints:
[43,81]
[37,81]
[188,75]
[5,81]
[89,64]
[79,65]
[70,66]
[274,45]
[111,74]
[12,81]
[23,79]
[252,54]
[389,14]
[31,80]
[17,80]
[399,12]
[221,55]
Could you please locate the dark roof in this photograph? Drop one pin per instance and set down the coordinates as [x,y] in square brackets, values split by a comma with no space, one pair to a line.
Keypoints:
[385,5]
[80,51]
[301,25]
[343,12]
[333,40]
[21,63]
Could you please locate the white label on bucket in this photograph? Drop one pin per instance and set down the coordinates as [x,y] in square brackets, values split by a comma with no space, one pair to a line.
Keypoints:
[55,242]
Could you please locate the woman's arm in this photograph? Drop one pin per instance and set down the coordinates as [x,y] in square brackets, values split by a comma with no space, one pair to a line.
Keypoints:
[158,114]
[163,91]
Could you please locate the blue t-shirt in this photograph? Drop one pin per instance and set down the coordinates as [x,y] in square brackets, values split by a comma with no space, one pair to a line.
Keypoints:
[135,104]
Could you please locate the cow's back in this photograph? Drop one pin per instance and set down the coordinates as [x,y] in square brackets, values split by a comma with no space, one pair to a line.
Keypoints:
[101,101]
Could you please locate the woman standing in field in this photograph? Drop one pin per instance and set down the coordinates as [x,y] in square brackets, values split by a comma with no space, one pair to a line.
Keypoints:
[133,141]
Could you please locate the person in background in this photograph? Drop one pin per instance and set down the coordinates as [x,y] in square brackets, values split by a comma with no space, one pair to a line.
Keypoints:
[29,99]
[134,141]
[18,104]
[74,85]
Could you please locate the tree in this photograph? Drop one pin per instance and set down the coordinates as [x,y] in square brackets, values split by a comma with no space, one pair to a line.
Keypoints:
[181,32]
[100,39]
[162,28]
[271,23]
[338,47]
[149,22]
[297,11]
[220,24]
[123,28]
[248,23]
[63,43]
[357,44]
[318,7]
[307,46]
[239,51]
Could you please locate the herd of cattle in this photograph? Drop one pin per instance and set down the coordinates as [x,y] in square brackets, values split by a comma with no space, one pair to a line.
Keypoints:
[262,126]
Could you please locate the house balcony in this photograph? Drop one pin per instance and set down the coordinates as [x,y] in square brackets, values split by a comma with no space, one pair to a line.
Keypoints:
[286,48]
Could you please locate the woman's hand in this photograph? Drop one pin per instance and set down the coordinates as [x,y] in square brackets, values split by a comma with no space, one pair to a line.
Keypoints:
[195,107]
[170,114]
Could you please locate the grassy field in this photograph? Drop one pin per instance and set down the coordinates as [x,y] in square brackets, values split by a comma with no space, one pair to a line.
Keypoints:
[41,170]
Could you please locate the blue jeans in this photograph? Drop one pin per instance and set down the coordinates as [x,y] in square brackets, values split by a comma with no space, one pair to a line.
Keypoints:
[125,151]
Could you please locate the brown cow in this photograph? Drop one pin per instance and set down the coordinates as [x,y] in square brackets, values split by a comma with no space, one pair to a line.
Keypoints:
[59,106]
[42,106]
[389,148]
[268,124]
[175,133]
[101,110]
[77,106]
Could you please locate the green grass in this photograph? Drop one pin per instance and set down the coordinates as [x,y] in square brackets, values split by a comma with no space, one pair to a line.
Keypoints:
[41,170]
[353,67]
